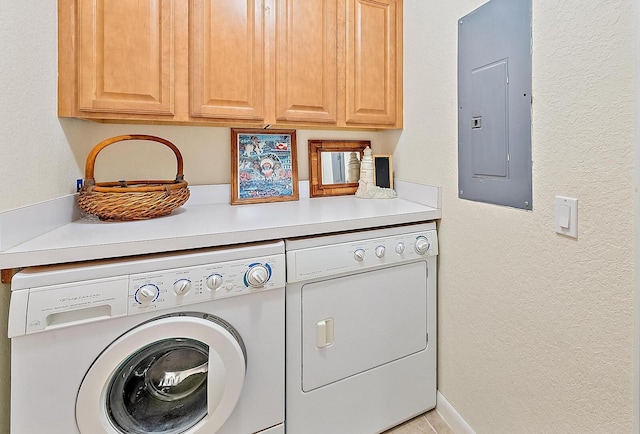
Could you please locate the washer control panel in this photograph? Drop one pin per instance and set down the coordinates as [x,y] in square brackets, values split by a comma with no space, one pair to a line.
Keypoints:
[181,286]
[314,262]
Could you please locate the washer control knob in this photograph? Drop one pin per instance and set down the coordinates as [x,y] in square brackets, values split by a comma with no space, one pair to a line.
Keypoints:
[257,275]
[400,248]
[380,251]
[147,293]
[358,255]
[181,286]
[214,281]
[422,245]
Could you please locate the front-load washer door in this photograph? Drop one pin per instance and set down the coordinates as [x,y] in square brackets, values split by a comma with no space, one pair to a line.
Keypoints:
[178,373]
[359,322]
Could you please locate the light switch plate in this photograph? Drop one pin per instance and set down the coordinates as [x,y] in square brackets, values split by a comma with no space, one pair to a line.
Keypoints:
[566,217]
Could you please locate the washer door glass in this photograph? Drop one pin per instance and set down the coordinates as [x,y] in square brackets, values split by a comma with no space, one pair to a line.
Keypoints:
[177,373]
[160,389]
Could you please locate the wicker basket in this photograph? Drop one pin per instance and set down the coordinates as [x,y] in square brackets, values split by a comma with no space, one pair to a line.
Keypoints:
[131,200]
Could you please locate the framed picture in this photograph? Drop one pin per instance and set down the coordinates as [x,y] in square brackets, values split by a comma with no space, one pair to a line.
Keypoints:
[383,171]
[264,167]
[334,166]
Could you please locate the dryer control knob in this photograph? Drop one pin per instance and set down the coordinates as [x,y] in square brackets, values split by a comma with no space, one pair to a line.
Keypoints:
[214,281]
[358,255]
[400,248]
[257,276]
[181,286]
[380,251]
[147,293]
[422,245]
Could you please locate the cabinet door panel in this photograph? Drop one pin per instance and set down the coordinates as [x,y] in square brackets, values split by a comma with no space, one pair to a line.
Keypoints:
[306,87]
[125,56]
[371,61]
[226,58]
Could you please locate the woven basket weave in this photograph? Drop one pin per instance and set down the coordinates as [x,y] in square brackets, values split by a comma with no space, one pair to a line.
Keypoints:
[131,200]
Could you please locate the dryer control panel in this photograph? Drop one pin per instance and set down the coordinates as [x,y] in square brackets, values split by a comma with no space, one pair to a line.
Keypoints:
[328,260]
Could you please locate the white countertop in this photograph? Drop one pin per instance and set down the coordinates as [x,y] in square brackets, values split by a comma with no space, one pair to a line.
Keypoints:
[197,224]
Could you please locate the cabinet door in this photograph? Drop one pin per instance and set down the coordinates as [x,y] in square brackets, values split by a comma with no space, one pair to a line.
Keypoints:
[305,67]
[125,58]
[226,59]
[371,62]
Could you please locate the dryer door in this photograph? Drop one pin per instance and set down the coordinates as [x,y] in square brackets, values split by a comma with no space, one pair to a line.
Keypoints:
[358,322]
[179,373]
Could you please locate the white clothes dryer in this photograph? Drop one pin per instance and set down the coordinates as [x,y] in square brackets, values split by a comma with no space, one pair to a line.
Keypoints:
[173,343]
[361,329]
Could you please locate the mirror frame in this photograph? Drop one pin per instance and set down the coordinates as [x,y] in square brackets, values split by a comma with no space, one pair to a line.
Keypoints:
[316,187]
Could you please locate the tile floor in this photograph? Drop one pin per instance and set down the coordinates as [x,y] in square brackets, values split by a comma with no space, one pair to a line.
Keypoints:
[427,423]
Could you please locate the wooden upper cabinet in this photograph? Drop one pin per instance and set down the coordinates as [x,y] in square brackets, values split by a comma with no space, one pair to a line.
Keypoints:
[306,61]
[125,56]
[373,62]
[227,59]
[252,63]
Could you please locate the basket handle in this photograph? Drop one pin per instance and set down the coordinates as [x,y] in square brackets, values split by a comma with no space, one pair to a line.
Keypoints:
[91,158]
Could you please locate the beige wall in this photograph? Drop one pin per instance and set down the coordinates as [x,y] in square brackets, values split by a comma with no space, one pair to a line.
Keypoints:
[535,329]
[41,155]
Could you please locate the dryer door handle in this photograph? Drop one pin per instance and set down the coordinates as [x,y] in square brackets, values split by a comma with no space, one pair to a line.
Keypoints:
[324,333]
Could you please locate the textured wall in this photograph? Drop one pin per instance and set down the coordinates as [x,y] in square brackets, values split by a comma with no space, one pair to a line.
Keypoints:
[41,155]
[536,329]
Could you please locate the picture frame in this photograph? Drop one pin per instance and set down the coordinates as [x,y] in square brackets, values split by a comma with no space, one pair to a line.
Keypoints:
[264,166]
[319,184]
[383,170]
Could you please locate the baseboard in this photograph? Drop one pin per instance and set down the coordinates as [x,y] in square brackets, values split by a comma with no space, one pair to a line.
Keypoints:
[449,414]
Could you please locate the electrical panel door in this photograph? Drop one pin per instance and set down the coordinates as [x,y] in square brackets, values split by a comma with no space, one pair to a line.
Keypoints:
[494,104]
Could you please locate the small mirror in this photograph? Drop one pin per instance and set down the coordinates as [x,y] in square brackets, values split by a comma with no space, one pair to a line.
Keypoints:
[340,167]
[334,166]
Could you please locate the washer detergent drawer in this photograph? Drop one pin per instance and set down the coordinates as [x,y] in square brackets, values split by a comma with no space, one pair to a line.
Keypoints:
[354,323]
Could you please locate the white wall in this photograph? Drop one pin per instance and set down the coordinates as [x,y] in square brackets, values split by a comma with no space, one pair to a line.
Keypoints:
[535,329]
[636,173]
[41,155]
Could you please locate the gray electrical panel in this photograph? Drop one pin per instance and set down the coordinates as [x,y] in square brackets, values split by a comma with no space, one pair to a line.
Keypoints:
[494,104]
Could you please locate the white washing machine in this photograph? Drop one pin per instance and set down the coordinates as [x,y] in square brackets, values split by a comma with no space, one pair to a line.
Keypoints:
[361,329]
[174,343]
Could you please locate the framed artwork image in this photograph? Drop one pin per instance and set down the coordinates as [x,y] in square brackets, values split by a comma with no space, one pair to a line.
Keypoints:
[383,171]
[334,166]
[264,167]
